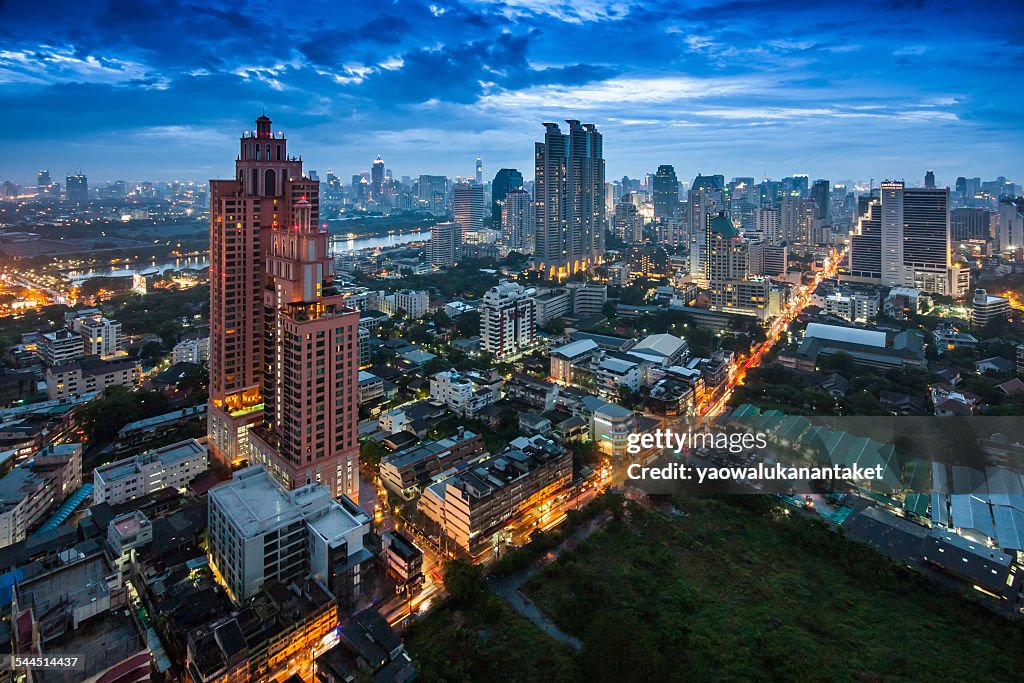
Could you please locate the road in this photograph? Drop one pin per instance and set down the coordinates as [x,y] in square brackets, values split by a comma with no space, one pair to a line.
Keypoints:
[549,513]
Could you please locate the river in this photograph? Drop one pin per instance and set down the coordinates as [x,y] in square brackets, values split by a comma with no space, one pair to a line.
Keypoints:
[338,245]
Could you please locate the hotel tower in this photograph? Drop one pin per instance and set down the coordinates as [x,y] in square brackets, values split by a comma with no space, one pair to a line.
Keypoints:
[283,346]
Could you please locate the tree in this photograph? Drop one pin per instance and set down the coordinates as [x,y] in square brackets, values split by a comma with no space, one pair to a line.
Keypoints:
[463,581]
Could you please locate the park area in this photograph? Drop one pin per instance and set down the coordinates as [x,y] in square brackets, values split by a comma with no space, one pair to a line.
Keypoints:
[716,589]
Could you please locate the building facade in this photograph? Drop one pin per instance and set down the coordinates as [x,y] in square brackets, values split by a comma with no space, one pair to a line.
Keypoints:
[508,320]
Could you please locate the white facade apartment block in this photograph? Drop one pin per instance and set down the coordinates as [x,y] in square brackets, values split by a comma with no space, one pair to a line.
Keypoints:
[173,466]
[416,303]
[192,351]
[508,320]
[101,336]
[260,532]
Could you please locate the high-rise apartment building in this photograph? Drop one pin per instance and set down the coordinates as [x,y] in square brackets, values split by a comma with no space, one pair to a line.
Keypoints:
[311,362]
[915,239]
[666,192]
[283,347]
[468,209]
[820,195]
[508,320]
[517,220]
[505,180]
[766,222]
[377,178]
[77,187]
[569,199]
[929,180]
[479,174]
[445,248]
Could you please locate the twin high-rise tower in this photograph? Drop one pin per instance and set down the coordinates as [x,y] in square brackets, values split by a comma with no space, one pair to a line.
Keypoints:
[569,199]
[283,347]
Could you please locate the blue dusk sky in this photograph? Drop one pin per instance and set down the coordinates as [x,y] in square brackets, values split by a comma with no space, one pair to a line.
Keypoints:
[846,91]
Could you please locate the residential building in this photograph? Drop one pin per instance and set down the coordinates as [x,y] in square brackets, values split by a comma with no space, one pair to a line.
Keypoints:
[191,351]
[36,487]
[986,308]
[508,320]
[260,532]
[853,307]
[466,393]
[59,347]
[661,349]
[310,384]
[518,221]
[445,249]
[480,498]
[412,468]
[101,336]
[367,646]
[569,198]
[574,354]
[174,466]
[948,338]
[416,303]
[247,215]
[915,239]
[615,374]
[138,432]
[91,374]
[536,393]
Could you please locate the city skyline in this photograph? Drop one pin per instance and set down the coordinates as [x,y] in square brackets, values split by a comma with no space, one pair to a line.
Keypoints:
[738,89]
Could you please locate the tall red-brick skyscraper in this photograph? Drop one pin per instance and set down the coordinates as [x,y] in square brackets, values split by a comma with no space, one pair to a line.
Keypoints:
[283,348]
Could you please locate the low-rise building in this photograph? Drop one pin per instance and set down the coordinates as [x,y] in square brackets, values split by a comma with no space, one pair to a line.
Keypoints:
[101,336]
[552,304]
[532,391]
[136,433]
[36,487]
[588,298]
[175,466]
[611,426]
[661,349]
[853,307]
[615,373]
[59,347]
[466,393]
[565,358]
[411,468]
[191,351]
[367,644]
[949,338]
[403,561]
[371,387]
[986,308]
[480,498]
[91,374]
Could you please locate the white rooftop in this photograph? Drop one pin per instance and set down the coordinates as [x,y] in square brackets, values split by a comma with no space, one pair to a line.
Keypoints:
[853,335]
[662,344]
[575,349]
[255,503]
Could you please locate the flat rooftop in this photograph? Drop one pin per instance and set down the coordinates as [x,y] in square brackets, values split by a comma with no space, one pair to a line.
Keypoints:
[167,456]
[255,503]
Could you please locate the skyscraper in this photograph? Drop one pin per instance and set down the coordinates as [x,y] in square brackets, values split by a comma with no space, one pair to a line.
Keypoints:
[77,187]
[569,199]
[666,192]
[820,195]
[468,209]
[377,178]
[915,239]
[479,172]
[517,221]
[283,347]
[505,180]
[929,180]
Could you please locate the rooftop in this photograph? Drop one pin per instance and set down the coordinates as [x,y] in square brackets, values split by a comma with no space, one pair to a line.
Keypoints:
[255,503]
[166,456]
